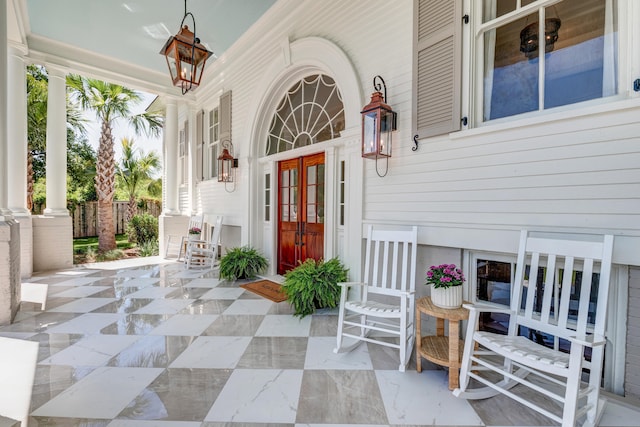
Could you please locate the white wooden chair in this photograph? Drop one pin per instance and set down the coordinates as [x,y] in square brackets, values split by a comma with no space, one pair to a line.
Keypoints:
[204,253]
[177,243]
[541,307]
[18,360]
[385,300]
[34,292]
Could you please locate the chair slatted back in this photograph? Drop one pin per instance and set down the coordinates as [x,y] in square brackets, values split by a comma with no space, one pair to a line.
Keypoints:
[544,302]
[196,221]
[390,259]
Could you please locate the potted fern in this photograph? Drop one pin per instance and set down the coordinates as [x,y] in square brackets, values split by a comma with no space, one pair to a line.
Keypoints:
[314,284]
[242,263]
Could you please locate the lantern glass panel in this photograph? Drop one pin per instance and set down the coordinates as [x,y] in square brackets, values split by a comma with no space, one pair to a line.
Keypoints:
[386,132]
[370,133]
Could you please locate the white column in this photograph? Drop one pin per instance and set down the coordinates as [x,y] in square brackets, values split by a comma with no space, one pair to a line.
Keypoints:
[17,133]
[5,214]
[171,158]
[56,168]
[193,155]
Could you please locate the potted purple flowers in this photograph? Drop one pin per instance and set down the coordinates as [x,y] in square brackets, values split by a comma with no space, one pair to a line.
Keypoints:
[446,285]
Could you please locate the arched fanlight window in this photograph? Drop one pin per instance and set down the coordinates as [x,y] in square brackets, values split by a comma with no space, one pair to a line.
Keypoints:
[310,112]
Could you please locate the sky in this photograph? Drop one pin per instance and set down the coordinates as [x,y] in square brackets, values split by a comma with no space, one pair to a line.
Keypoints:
[122,129]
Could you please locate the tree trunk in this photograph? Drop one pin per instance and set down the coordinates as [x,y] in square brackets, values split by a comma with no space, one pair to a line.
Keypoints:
[105,189]
[30,182]
[132,208]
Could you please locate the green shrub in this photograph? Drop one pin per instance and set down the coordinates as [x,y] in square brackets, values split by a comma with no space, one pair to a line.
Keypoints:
[149,249]
[142,229]
[111,255]
[242,263]
[313,285]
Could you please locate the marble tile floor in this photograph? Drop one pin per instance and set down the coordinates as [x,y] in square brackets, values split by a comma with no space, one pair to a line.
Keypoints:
[149,343]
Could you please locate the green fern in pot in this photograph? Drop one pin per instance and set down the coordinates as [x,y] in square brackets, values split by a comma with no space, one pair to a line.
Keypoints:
[314,284]
[242,263]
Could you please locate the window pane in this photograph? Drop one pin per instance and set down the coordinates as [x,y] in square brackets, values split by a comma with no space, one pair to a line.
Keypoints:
[494,285]
[510,78]
[580,56]
[575,67]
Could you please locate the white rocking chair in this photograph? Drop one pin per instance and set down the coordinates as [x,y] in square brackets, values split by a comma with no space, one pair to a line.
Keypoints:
[196,221]
[541,307]
[390,277]
[204,253]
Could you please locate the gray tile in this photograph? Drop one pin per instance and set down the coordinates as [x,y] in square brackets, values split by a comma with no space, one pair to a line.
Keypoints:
[40,323]
[324,326]
[207,306]
[281,308]
[340,397]
[275,352]
[135,324]
[235,325]
[197,388]
[125,305]
[66,422]
[152,352]
[51,380]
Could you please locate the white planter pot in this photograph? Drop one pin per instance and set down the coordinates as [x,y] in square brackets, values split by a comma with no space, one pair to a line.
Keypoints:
[447,297]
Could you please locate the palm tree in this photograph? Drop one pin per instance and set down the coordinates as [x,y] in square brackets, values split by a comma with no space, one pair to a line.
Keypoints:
[134,170]
[110,102]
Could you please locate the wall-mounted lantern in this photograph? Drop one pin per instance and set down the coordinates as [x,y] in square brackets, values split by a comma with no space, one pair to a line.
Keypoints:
[378,123]
[227,165]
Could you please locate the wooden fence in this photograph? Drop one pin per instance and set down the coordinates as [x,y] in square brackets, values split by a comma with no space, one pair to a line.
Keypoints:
[85,216]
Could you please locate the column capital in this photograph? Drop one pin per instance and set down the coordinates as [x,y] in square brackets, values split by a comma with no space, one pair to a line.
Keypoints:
[56,70]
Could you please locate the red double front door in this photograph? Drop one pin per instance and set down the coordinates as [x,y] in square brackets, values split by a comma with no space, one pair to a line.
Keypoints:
[301,213]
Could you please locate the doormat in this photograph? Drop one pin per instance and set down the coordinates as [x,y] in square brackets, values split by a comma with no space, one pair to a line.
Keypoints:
[266,289]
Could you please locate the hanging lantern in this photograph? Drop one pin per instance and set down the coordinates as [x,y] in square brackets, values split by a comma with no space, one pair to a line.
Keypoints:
[186,56]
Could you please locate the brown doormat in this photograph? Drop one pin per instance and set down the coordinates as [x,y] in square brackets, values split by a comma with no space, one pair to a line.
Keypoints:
[267,289]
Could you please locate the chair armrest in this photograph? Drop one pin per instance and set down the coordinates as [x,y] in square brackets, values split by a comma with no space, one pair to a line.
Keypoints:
[349,284]
[488,308]
[588,340]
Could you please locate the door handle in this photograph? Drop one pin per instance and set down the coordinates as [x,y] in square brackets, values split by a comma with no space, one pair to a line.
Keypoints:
[302,234]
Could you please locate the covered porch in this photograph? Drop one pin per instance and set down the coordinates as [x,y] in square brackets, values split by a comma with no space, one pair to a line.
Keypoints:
[148,342]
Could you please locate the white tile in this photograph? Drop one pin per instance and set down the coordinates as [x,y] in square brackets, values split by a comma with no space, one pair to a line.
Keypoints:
[264,396]
[223,293]
[164,306]
[406,396]
[151,292]
[187,325]
[136,272]
[82,305]
[82,291]
[320,355]
[89,323]
[104,393]
[247,306]
[213,353]
[153,423]
[284,325]
[619,415]
[94,350]
[202,283]
[77,281]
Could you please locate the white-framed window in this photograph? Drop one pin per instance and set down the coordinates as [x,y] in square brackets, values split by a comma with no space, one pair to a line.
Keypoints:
[267,197]
[183,152]
[502,73]
[212,145]
[579,42]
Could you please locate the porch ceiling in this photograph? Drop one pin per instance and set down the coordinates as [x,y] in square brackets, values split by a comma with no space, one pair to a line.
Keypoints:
[127,33]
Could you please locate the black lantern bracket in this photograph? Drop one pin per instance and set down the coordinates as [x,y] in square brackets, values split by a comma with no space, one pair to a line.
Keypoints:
[378,86]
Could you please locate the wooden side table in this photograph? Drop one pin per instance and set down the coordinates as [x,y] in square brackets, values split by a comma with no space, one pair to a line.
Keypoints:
[440,349]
